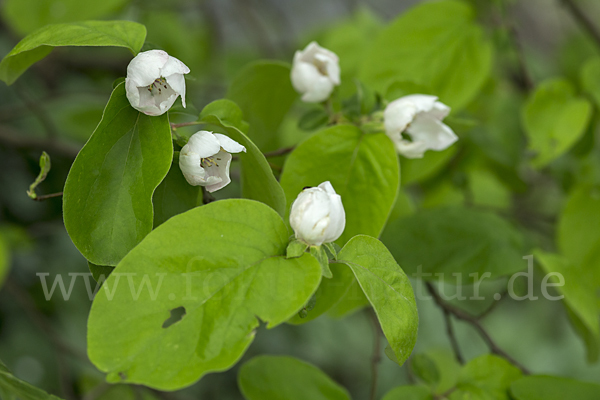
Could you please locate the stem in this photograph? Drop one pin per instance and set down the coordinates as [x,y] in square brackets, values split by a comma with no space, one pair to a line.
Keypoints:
[474,321]
[376,358]
[207,197]
[18,140]
[38,111]
[181,125]
[48,196]
[280,152]
[452,337]
[583,19]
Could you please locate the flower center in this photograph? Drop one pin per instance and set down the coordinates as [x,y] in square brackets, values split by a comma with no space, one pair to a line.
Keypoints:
[209,162]
[321,67]
[158,86]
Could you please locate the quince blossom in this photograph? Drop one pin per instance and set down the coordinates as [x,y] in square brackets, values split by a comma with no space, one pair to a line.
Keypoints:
[154,81]
[315,72]
[205,159]
[420,117]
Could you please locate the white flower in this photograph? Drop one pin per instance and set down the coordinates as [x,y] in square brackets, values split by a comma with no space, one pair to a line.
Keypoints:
[154,81]
[315,71]
[317,215]
[420,116]
[205,159]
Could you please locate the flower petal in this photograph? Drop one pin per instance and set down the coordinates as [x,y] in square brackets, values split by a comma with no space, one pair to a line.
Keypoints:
[229,144]
[177,83]
[428,129]
[219,173]
[397,115]
[145,67]
[411,149]
[203,143]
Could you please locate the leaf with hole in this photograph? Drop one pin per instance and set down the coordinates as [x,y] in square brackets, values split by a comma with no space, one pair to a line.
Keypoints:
[186,300]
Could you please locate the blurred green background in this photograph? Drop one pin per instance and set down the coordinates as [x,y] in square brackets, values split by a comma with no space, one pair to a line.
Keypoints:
[58,102]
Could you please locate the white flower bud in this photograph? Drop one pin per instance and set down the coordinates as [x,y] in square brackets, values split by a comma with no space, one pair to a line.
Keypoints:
[420,116]
[317,215]
[154,81]
[315,72]
[205,159]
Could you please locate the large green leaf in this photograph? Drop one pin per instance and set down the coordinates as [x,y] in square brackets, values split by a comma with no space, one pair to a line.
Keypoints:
[579,293]
[174,196]
[363,169]
[221,265]
[258,181]
[578,232]
[108,194]
[25,16]
[264,92]
[436,44]
[553,388]
[486,377]
[554,119]
[279,378]
[39,44]
[590,78]
[13,388]
[388,289]
[455,240]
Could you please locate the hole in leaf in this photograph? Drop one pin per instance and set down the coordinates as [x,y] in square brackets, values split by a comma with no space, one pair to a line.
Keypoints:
[176,315]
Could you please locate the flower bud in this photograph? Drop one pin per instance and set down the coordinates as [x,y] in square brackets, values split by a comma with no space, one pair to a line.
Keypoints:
[420,117]
[315,72]
[317,215]
[154,81]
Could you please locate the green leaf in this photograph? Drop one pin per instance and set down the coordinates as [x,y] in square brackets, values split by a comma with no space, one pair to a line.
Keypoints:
[319,253]
[352,301]
[388,289]
[258,181]
[441,47]
[264,92]
[295,248]
[590,78]
[487,377]
[425,369]
[228,112]
[578,232]
[45,166]
[409,393]
[579,293]
[174,196]
[224,264]
[553,388]
[100,272]
[25,16]
[463,241]
[313,119]
[554,119]
[278,378]
[39,44]
[420,169]
[329,293]
[13,388]
[107,199]
[363,169]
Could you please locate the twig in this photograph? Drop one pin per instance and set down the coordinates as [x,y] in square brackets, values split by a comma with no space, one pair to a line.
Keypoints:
[376,358]
[207,197]
[48,196]
[583,19]
[474,321]
[452,337]
[280,152]
[181,125]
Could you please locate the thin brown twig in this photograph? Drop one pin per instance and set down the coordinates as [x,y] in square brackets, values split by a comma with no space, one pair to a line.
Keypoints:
[37,110]
[280,152]
[474,321]
[452,337]
[17,140]
[376,358]
[583,19]
[182,124]
[48,196]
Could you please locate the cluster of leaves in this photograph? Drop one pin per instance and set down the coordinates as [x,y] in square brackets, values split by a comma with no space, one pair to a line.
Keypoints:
[195,276]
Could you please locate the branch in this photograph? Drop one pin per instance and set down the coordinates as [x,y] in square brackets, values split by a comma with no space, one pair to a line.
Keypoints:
[48,196]
[452,336]
[583,19]
[474,321]
[376,358]
[280,152]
